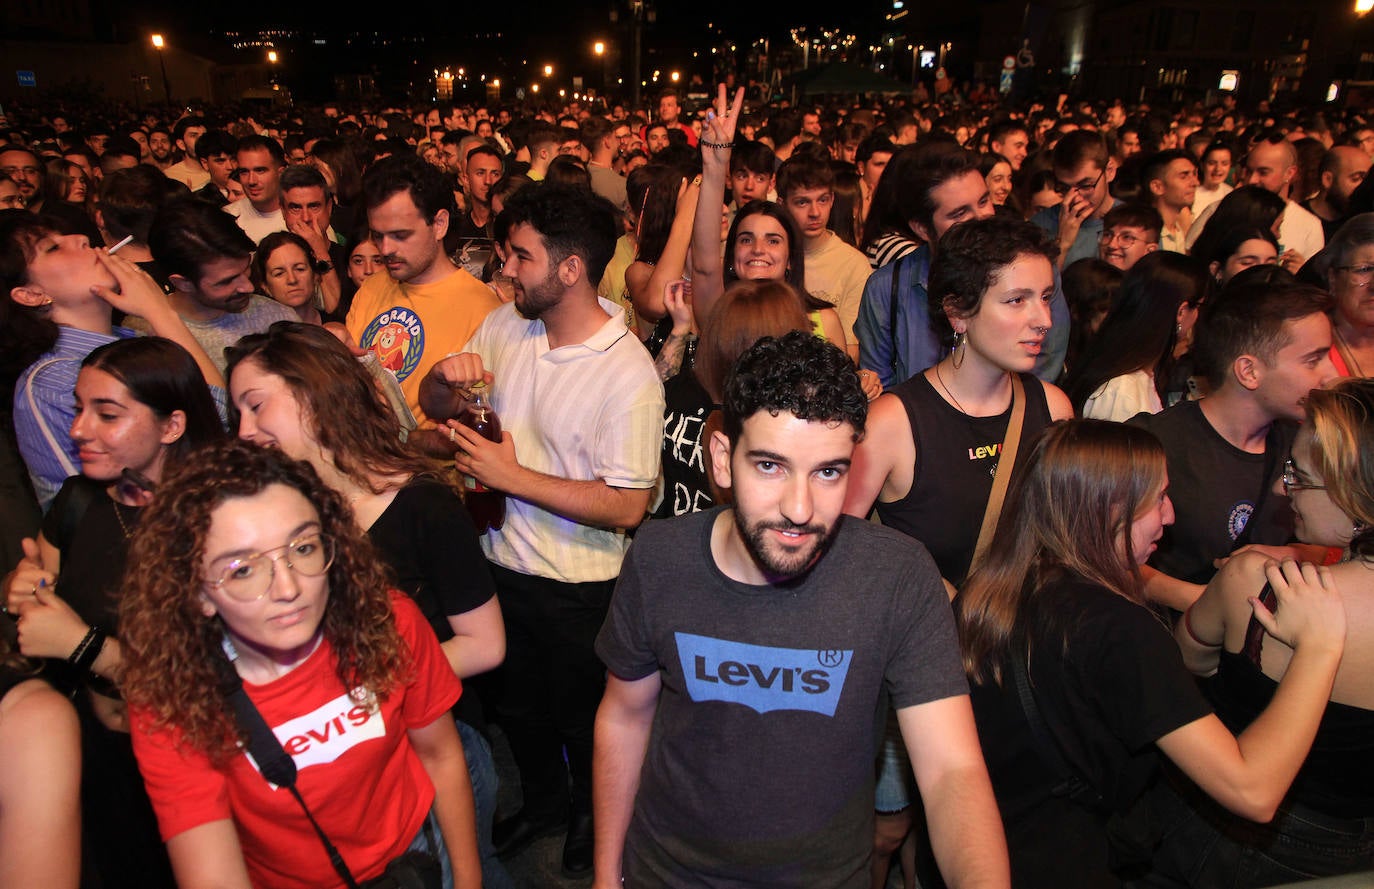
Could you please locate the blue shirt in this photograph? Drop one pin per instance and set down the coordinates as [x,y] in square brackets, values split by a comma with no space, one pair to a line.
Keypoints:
[44,407]
[894,355]
[914,346]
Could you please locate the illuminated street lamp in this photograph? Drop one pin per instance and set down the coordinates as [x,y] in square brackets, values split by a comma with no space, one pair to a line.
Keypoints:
[675,77]
[1363,6]
[159,44]
[272,56]
[548,70]
[600,48]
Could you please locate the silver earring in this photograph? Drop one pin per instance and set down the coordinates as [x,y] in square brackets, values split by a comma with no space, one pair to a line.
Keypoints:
[960,350]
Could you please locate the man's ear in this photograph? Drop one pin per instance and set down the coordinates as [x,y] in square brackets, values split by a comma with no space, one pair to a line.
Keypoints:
[440,224]
[720,459]
[1248,371]
[571,269]
[1156,187]
[921,231]
[181,283]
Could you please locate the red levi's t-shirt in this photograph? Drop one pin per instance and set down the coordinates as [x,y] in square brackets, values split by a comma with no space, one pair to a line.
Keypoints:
[356,768]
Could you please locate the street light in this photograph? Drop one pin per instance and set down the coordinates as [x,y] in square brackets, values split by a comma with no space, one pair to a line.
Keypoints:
[159,44]
[600,47]
[675,77]
[548,70]
[272,56]
[1363,6]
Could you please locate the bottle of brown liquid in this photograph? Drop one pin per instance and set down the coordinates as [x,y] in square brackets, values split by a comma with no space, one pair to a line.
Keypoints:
[487,507]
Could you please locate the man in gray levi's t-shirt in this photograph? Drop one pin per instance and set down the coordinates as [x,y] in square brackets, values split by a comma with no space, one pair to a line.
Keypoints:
[750,649]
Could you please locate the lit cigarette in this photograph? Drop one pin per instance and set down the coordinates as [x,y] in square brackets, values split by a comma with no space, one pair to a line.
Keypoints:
[129,239]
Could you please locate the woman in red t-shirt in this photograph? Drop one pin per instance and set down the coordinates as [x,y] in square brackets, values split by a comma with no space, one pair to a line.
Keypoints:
[250,555]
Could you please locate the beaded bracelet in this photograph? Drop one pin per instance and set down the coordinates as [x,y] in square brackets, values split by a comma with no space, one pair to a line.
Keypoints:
[715,144]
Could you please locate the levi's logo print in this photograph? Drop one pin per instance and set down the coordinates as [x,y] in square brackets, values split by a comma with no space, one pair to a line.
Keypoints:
[762,678]
[398,337]
[329,732]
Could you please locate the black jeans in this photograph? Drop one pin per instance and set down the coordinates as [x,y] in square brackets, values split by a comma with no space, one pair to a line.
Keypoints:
[550,685]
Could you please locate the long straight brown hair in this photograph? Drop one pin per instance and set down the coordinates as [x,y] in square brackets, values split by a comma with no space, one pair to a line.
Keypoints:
[1070,511]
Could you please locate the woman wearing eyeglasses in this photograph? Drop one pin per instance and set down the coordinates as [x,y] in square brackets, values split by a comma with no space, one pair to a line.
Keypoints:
[1325,825]
[1349,265]
[298,390]
[256,561]
[140,405]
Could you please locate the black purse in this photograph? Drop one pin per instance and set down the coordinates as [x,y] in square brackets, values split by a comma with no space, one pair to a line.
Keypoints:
[412,870]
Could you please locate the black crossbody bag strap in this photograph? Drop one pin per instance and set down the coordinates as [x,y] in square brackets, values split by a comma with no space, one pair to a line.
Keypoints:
[273,762]
[1071,784]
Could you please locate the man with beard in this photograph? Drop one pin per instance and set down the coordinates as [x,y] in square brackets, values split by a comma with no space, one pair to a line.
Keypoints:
[747,665]
[160,150]
[425,307]
[1343,169]
[206,258]
[189,171]
[578,463]
[26,170]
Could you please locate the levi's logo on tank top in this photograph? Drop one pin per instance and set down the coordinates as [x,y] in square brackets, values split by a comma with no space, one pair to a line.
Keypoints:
[762,678]
[985,451]
[322,736]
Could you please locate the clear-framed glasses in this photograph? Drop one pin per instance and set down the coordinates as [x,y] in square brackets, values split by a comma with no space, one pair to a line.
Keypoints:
[1359,274]
[1294,482]
[248,578]
[1125,239]
[1063,188]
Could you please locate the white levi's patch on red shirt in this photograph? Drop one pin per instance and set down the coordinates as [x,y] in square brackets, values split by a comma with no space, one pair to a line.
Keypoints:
[328,732]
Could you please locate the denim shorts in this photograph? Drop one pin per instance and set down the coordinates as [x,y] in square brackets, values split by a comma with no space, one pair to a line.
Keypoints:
[895,789]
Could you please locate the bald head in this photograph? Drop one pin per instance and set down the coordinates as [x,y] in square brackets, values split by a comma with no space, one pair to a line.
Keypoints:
[1271,166]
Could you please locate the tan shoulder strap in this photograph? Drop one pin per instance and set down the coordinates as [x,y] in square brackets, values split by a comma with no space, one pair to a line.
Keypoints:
[1006,461]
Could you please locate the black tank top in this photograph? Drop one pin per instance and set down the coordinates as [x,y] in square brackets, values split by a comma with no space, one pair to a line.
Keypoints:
[956,458]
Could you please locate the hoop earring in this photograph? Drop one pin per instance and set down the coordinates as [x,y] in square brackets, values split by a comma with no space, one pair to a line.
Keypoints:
[956,355]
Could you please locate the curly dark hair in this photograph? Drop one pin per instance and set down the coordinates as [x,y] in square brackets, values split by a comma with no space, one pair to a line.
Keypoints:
[797,372]
[171,649]
[343,407]
[971,256]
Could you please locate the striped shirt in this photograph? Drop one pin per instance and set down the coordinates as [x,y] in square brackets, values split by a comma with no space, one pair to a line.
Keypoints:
[44,407]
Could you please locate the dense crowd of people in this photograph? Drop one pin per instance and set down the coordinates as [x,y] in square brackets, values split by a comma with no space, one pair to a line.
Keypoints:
[803,492]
